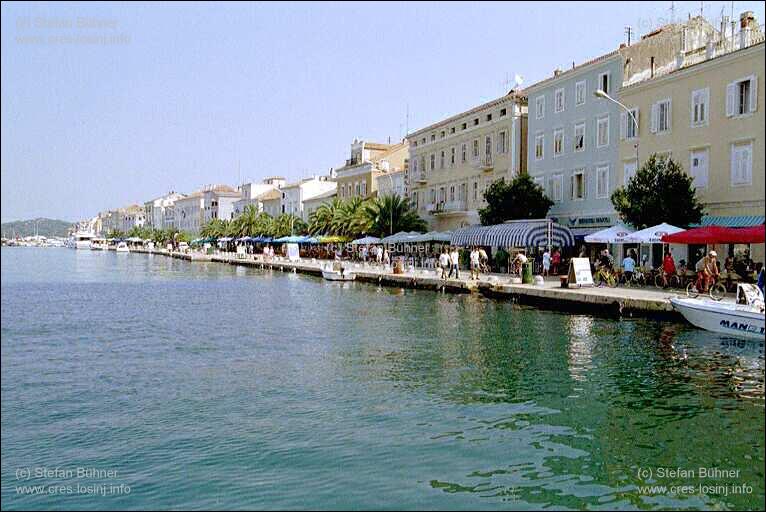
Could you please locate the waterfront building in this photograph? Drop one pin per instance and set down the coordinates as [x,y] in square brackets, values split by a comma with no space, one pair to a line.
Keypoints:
[255,193]
[453,161]
[154,209]
[369,160]
[573,137]
[707,113]
[133,216]
[272,203]
[187,213]
[294,194]
[218,202]
[312,204]
[391,183]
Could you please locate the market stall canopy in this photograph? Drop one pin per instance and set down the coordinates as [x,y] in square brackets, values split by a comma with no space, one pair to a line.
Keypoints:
[334,239]
[521,233]
[294,239]
[718,235]
[434,236]
[654,234]
[735,221]
[245,239]
[262,239]
[400,237]
[615,235]
[134,239]
[225,239]
[366,240]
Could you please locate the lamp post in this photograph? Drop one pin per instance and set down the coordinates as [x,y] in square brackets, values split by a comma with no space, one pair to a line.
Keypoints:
[598,93]
[390,206]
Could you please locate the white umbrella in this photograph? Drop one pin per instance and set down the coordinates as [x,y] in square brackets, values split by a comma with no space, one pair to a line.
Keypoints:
[615,235]
[654,234]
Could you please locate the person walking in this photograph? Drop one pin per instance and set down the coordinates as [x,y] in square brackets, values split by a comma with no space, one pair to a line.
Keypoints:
[546,262]
[556,261]
[386,258]
[454,263]
[474,263]
[483,260]
[444,263]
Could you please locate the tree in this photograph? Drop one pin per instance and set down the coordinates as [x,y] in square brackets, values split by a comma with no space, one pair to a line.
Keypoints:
[321,219]
[522,198]
[288,224]
[659,192]
[115,233]
[391,214]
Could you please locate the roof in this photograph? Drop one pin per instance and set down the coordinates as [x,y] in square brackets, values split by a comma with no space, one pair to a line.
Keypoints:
[323,195]
[565,74]
[271,195]
[512,95]
[521,233]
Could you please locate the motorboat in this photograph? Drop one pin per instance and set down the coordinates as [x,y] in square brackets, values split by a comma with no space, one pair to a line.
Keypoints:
[98,244]
[80,240]
[337,272]
[743,318]
[122,247]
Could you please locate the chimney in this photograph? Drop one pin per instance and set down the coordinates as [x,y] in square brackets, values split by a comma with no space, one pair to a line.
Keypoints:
[557,72]
[746,20]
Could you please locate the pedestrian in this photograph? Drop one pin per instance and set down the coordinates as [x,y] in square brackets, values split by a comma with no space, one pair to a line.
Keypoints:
[629,266]
[379,255]
[483,260]
[454,263]
[546,262]
[444,262]
[556,261]
[386,258]
[474,263]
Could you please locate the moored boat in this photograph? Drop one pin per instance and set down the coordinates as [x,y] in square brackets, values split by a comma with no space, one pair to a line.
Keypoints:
[336,272]
[122,247]
[99,244]
[742,319]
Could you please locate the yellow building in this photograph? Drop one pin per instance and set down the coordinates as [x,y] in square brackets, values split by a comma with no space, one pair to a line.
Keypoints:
[369,160]
[708,115]
[452,162]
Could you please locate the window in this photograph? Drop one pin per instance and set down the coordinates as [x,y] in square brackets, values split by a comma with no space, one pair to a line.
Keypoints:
[476,148]
[661,116]
[741,96]
[442,134]
[698,167]
[488,146]
[452,156]
[452,130]
[502,112]
[489,117]
[476,122]
[558,142]
[628,128]
[699,111]
[452,193]
[463,126]
[433,137]
[579,137]
[441,159]
[539,142]
[742,164]
[475,190]
[578,184]
[415,165]
[558,102]
[463,152]
[433,161]
[540,107]
[602,132]
[604,82]
[432,194]
[629,170]
[602,181]
[501,144]
[364,188]
[580,91]
[422,164]
[557,187]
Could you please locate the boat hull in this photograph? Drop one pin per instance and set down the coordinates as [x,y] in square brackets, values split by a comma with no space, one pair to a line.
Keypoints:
[332,275]
[729,319]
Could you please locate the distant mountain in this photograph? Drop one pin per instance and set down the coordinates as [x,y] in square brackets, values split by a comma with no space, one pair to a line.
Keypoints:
[45,227]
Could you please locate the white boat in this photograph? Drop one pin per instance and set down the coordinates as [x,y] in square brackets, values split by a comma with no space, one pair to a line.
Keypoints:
[122,247]
[80,240]
[99,244]
[337,273]
[741,319]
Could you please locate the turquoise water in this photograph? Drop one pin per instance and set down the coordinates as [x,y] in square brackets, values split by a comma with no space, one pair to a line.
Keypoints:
[211,386]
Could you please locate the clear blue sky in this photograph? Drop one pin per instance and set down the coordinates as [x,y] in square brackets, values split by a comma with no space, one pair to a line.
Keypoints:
[184,93]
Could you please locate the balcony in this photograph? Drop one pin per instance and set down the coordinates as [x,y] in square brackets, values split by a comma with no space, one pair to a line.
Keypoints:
[421,178]
[448,207]
[484,163]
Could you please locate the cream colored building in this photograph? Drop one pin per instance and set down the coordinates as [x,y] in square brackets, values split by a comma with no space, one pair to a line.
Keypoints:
[707,113]
[452,162]
[359,175]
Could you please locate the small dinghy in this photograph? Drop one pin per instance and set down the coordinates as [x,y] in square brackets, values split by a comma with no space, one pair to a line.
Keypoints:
[122,247]
[742,319]
[337,272]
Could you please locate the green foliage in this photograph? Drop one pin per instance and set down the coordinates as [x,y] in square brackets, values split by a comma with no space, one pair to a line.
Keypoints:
[519,199]
[115,233]
[391,214]
[288,224]
[40,226]
[142,232]
[659,192]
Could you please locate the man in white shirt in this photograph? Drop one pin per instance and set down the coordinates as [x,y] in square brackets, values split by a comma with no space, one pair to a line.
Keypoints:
[455,260]
[474,263]
[444,262]
[546,262]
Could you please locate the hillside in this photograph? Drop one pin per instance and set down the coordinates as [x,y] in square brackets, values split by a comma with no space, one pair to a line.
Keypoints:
[45,227]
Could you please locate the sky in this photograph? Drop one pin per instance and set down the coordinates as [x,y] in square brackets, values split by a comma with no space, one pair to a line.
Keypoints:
[110,104]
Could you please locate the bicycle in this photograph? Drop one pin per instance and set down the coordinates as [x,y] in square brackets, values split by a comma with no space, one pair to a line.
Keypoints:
[716,291]
[605,277]
[636,279]
[661,280]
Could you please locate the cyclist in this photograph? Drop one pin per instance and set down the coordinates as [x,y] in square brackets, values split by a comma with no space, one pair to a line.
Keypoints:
[605,263]
[708,269]
[629,266]
[668,267]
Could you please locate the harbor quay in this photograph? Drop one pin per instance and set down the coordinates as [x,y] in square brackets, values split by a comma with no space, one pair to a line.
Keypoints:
[609,302]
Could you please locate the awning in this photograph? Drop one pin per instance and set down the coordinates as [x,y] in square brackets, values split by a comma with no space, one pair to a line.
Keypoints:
[718,235]
[531,233]
[654,234]
[615,235]
[366,240]
[433,236]
[734,221]
[402,236]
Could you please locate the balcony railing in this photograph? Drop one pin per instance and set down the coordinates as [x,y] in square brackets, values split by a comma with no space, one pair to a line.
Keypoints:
[484,163]
[448,207]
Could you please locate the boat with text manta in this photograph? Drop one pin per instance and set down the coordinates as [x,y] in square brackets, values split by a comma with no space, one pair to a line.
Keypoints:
[741,319]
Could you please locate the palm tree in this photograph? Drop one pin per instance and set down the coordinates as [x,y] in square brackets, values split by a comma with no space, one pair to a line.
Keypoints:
[350,219]
[247,223]
[216,228]
[391,214]
[321,219]
[288,224]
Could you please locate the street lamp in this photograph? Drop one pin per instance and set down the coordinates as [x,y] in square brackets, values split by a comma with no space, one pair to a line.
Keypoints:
[598,93]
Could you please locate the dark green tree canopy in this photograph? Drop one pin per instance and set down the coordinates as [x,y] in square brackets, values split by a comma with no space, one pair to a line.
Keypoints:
[522,198]
[659,192]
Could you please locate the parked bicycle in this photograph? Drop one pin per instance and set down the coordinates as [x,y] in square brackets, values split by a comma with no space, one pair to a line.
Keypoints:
[605,277]
[716,290]
[663,280]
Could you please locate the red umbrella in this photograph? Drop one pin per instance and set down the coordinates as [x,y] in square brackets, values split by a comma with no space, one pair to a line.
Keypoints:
[718,235]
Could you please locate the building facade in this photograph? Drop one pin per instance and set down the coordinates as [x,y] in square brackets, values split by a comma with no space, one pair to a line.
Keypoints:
[708,115]
[294,194]
[368,161]
[311,205]
[452,162]
[255,193]
[391,183]
[154,210]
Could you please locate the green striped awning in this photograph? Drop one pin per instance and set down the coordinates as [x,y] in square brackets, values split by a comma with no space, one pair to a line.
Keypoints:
[735,221]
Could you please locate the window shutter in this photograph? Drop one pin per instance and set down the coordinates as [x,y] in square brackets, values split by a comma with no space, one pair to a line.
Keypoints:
[753,93]
[571,187]
[734,164]
[747,168]
[585,181]
[638,120]
[730,90]
[654,117]
[670,114]
[623,125]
